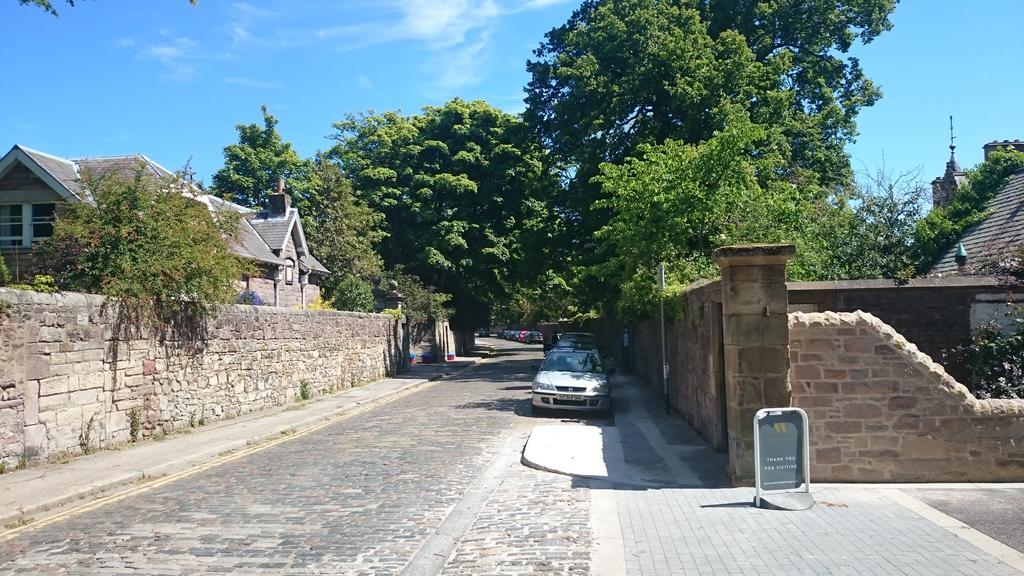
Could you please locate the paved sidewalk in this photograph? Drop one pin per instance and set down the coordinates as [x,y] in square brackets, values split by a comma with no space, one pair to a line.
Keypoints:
[661,505]
[42,490]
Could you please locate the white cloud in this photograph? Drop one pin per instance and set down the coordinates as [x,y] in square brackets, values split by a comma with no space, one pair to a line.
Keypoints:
[446,23]
[176,54]
[464,66]
[438,24]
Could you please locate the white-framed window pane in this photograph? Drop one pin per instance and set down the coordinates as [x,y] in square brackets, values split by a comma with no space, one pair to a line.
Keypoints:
[12,225]
[42,220]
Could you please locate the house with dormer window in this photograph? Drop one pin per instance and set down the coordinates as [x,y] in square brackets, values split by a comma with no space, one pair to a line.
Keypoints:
[34,186]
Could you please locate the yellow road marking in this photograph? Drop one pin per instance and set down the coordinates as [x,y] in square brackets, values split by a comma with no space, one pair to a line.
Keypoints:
[163,480]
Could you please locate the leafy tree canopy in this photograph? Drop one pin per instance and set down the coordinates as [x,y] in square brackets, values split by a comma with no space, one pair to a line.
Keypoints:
[458,185]
[144,241]
[867,231]
[253,166]
[677,202]
[621,74]
[343,233]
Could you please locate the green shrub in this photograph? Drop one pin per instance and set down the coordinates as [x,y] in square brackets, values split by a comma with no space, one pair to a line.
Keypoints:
[304,390]
[40,283]
[351,293]
[145,241]
[995,358]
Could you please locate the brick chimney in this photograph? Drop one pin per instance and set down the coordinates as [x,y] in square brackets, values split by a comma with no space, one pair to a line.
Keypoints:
[280,201]
[1017,145]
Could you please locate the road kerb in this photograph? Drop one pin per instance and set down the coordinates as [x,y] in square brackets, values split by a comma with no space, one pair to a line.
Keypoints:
[983,542]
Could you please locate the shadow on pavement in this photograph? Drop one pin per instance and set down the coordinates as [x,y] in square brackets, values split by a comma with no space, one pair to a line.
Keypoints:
[641,447]
[746,504]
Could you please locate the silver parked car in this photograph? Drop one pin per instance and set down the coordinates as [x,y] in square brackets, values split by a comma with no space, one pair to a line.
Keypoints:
[572,379]
[576,341]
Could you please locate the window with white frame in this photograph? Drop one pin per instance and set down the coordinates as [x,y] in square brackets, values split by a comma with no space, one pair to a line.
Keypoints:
[23,224]
[12,225]
[289,271]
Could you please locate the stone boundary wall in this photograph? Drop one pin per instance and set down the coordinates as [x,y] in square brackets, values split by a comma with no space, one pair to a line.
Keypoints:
[67,385]
[936,314]
[696,384]
[882,411]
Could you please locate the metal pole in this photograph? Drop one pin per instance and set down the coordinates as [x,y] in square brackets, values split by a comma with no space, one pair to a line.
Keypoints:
[664,345]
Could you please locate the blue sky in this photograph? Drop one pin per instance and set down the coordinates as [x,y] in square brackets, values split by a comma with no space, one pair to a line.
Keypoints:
[171,80]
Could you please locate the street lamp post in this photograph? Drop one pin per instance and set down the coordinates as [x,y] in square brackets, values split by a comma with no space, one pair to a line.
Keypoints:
[664,346]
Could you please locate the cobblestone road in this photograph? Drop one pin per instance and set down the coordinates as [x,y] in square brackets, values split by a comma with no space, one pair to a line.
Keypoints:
[357,497]
[435,476]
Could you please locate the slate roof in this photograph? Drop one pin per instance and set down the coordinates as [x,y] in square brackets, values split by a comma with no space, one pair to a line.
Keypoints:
[997,234]
[64,171]
[308,263]
[125,165]
[261,233]
[248,244]
[274,229]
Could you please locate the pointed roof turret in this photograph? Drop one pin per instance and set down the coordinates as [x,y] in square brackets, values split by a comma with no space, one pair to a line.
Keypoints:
[945,186]
[952,166]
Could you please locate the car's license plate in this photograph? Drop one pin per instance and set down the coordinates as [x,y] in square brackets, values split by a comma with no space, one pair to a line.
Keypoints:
[570,397]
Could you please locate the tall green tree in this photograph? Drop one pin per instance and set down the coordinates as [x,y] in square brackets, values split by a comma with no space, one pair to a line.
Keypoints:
[458,185]
[677,202]
[343,232]
[621,74]
[253,166]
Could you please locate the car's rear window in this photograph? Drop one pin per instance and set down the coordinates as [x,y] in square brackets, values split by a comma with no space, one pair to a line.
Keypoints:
[578,362]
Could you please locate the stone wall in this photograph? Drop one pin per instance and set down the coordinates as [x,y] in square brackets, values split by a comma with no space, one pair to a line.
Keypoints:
[882,411]
[696,386]
[936,314]
[66,384]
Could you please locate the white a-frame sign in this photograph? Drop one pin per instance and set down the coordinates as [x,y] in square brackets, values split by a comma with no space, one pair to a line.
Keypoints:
[782,460]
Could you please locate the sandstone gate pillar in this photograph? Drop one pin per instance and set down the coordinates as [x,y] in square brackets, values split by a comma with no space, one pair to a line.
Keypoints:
[755,333]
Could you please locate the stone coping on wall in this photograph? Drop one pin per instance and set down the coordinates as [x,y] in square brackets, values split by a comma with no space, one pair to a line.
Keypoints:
[31,297]
[933,372]
[882,284]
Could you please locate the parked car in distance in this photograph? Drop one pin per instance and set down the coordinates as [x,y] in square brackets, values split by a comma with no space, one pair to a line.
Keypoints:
[576,341]
[572,380]
[521,337]
[534,338]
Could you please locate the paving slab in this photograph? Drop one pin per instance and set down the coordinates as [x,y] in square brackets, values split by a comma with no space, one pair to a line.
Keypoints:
[675,513]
